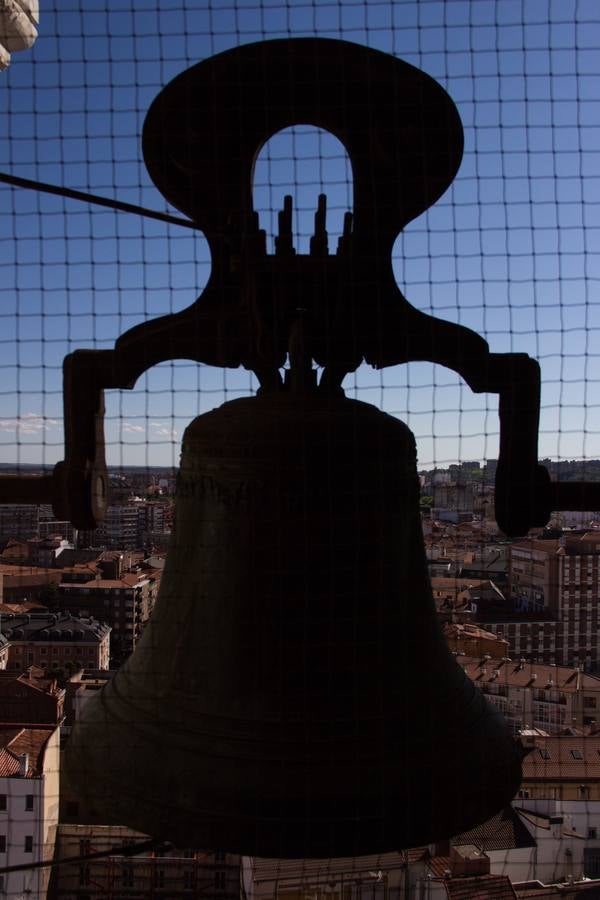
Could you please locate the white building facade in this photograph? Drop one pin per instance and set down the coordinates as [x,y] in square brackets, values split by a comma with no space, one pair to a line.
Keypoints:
[29,803]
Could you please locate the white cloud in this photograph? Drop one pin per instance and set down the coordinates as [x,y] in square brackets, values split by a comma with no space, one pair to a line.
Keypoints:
[28,423]
[135,429]
[160,429]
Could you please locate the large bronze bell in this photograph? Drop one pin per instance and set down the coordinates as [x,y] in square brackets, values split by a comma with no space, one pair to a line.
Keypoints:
[292,694]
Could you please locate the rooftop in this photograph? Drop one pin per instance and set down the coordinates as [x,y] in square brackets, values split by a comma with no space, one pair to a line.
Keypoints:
[504,831]
[53,627]
[16,743]
[513,672]
[33,677]
[480,887]
[563,757]
[294,870]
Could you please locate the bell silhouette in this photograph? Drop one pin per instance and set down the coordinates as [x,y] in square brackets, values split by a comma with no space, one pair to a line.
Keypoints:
[292,695]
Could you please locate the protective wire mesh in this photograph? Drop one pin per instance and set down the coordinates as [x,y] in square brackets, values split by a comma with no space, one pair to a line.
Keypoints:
[507,251]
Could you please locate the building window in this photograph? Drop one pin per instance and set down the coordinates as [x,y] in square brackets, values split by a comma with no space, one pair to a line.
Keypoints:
[589,701]
[188,880]
[85,847]
[127,876]
[219,881]
[160,878]
[29,802]
[2,843]
[592,833]
[28,843]
[84,875]
[591,862]
[576,754]
[2,802]
[524,794]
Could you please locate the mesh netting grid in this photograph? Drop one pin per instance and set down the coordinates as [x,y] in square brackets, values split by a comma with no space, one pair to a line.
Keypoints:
[506,251]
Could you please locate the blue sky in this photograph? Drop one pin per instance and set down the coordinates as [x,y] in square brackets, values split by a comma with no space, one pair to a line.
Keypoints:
[510,250]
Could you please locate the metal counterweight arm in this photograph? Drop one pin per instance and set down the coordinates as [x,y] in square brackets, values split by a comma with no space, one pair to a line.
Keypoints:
[78,486]
[82,475]
[522,497]
[523,494]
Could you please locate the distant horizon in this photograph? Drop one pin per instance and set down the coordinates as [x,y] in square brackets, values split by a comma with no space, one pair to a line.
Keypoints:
[16,467]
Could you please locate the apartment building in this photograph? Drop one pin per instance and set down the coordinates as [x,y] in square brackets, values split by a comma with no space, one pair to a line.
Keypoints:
[18,521]
[124,604]
[127,526]
[556,583]
[29,802]
[536,696]
[56,641]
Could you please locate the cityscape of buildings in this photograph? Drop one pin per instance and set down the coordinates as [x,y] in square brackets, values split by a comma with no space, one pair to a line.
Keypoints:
[521,618]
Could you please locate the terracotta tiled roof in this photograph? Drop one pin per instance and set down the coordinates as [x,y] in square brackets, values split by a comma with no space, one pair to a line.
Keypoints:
[439,865]
[456,585]
[14,742]
[564,679]
[32,678]
[504,831]
[480,887]
[12,609]
[265,869]
[590,890]
[468,631]
[127,582]
[85,568]
[540,820]
[563,757]
[9,570]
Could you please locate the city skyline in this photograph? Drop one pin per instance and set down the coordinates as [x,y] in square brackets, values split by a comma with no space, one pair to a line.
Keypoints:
[507,251]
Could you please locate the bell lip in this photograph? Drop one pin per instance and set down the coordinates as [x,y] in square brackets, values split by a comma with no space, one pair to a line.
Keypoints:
[456,796]
[287,838]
